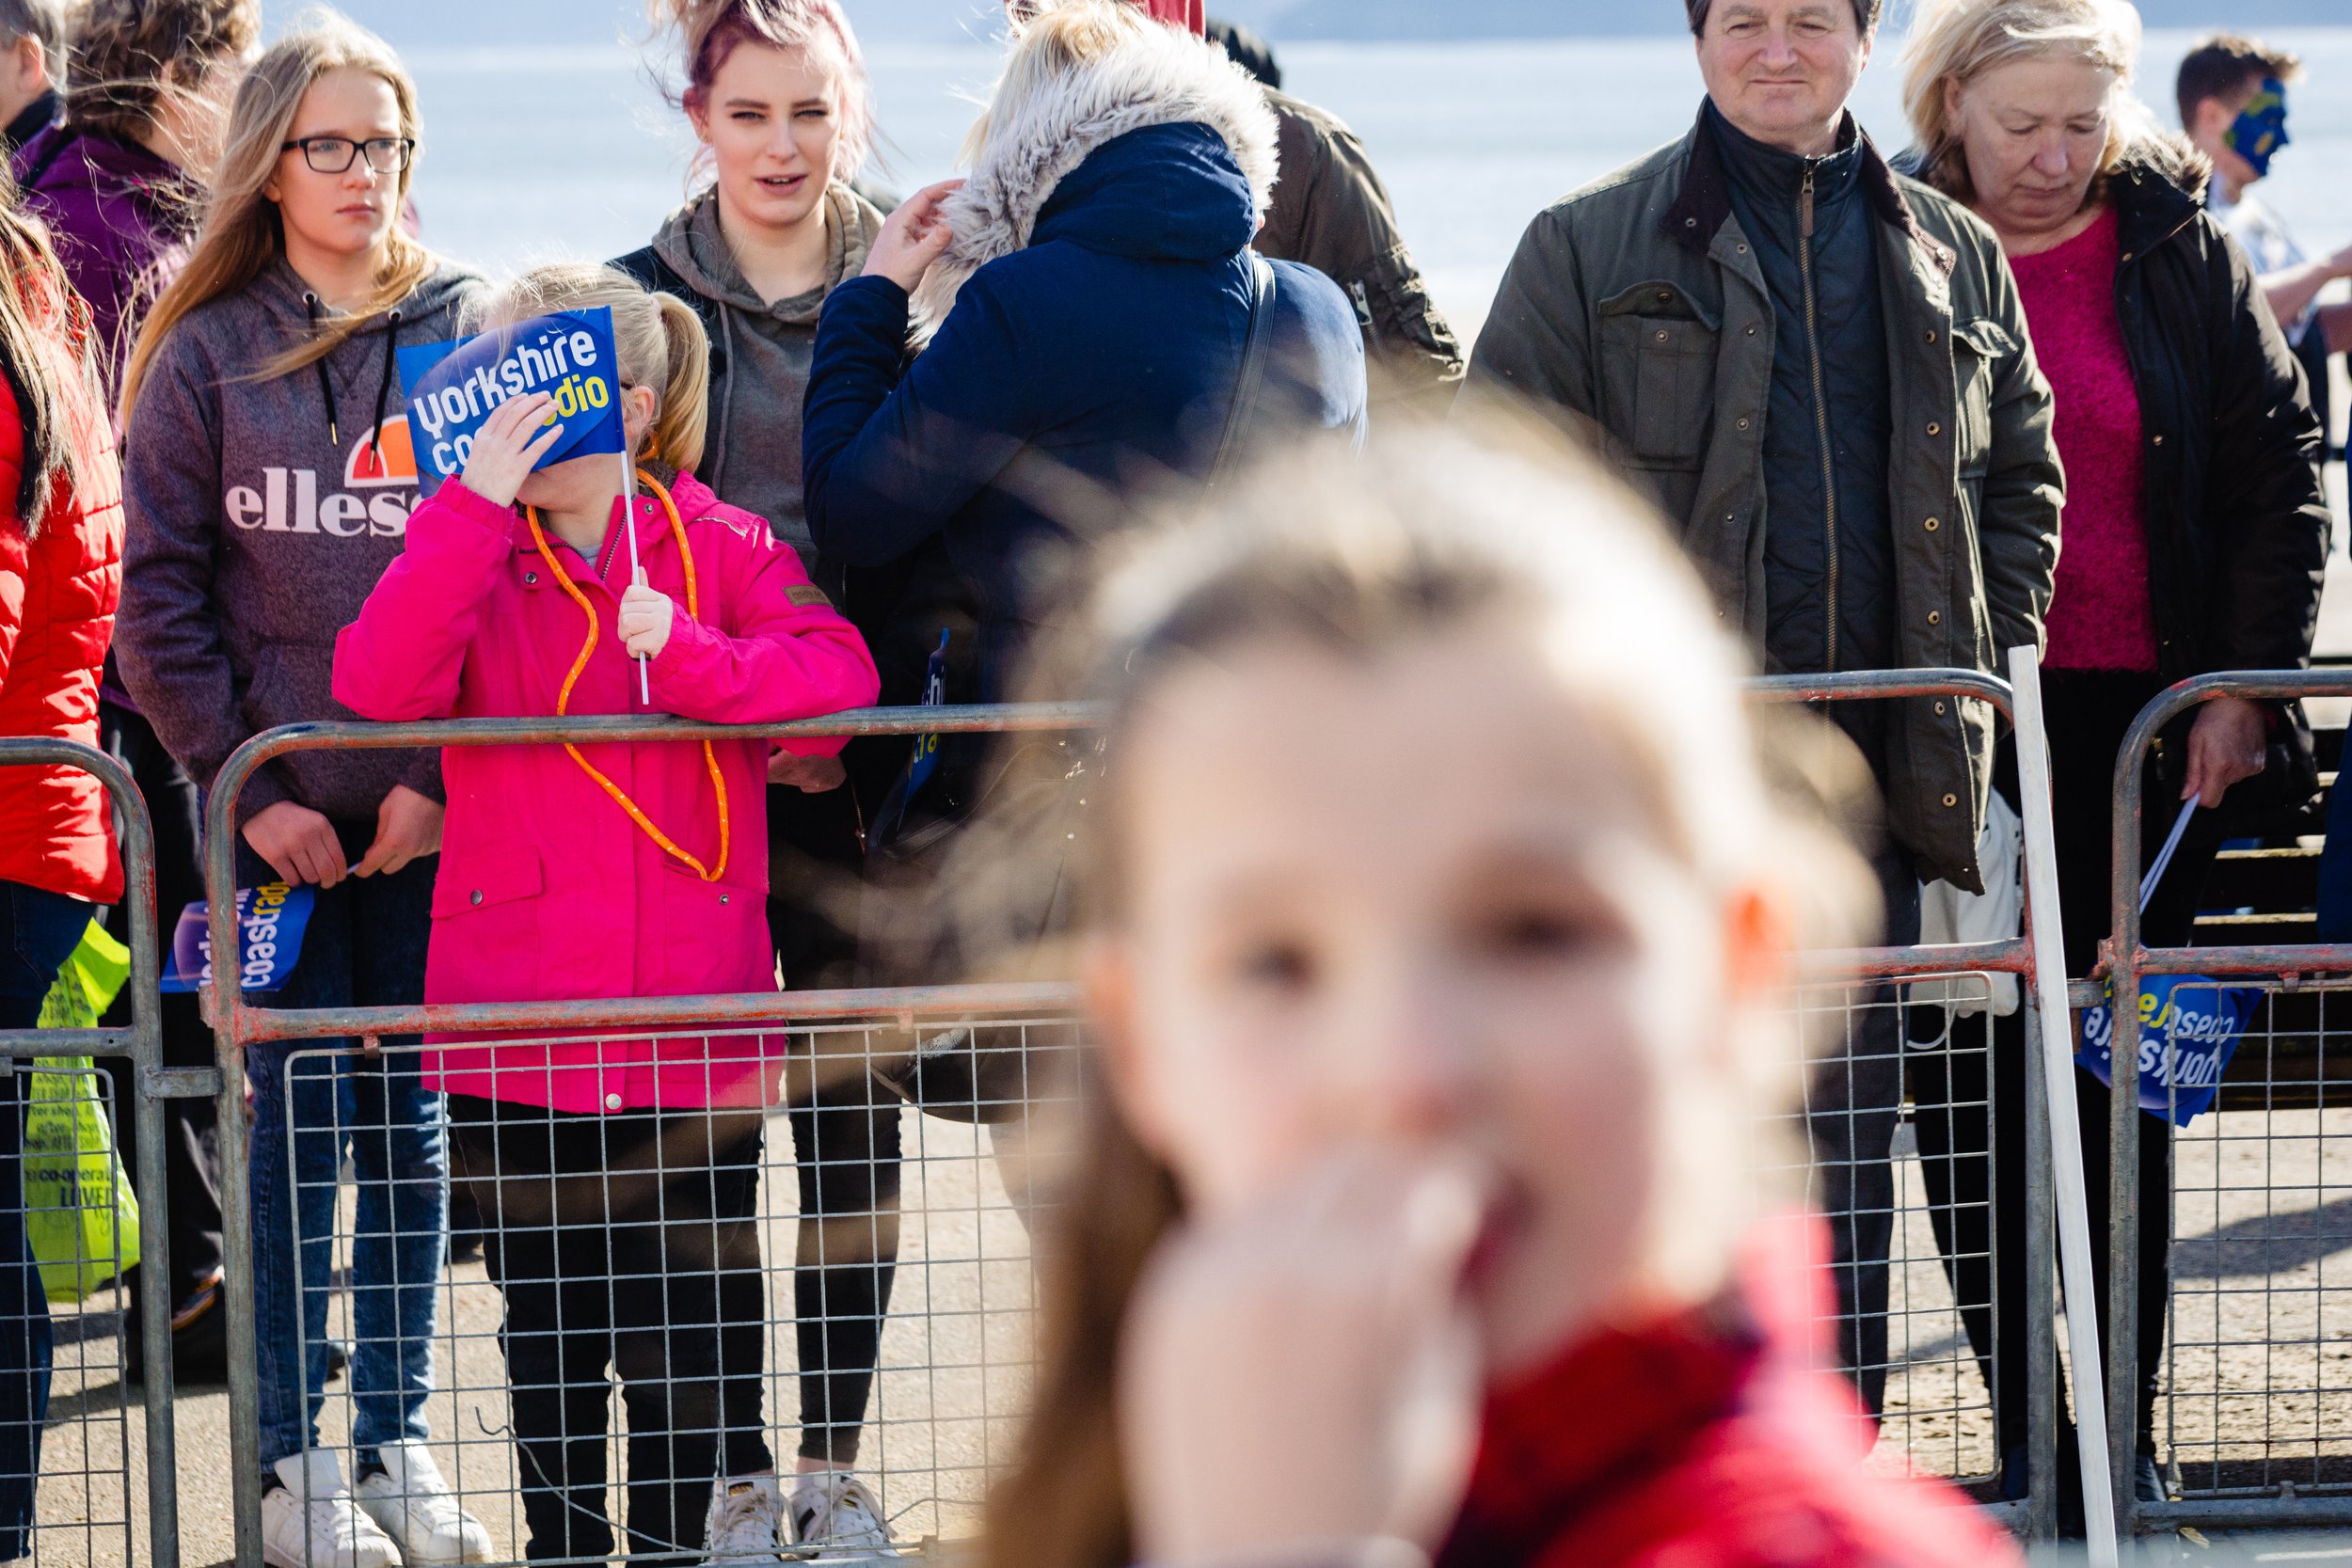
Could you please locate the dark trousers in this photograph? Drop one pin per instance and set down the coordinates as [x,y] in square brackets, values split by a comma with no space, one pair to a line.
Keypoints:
[1975,1174]
[1854,1099]
[845,1127]
[623,1245]
[38,931]
[191,1252]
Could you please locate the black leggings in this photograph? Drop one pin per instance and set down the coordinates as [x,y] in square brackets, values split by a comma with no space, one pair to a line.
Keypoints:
[1975,1175]
[623,1245]
[845,1126]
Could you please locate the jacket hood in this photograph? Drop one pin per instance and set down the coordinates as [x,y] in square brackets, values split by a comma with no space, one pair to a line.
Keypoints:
[1165,192]
[62,156]
[2158,190]
[1156,76]
[691,244]
[283,299]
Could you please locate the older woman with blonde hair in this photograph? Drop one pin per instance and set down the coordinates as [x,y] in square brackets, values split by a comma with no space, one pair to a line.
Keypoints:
[2194,527]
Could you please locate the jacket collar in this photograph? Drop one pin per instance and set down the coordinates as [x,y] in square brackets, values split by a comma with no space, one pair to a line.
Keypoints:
[1703,205]
[2150,205]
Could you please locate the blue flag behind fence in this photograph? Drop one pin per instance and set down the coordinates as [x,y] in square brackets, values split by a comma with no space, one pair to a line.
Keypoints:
[271,921]
[454,386]
[2186,1018]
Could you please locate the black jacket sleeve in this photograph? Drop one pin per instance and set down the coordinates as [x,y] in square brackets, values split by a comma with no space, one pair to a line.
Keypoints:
[2263,491]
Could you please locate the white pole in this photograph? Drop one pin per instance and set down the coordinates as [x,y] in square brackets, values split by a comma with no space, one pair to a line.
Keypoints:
[636,568]
[2066,1143]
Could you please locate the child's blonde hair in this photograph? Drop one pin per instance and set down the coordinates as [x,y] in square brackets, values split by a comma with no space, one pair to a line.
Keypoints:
[660,339]
[1425,537]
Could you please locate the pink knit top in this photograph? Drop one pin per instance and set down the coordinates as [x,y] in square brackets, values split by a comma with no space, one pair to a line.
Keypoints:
[2101,615]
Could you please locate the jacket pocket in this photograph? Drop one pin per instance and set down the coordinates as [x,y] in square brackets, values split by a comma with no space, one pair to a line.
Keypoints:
[486,918]
[718,934]
[1658,376]
[1977,349]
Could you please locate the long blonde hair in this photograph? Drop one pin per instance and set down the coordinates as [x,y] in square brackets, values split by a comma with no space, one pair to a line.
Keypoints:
[1959,40]
[243,231]
[660,339]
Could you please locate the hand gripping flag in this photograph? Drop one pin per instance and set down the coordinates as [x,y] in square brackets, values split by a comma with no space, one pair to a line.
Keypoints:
[452,387]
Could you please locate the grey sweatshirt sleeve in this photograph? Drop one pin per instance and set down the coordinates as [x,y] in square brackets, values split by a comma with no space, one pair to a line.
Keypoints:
[168,638]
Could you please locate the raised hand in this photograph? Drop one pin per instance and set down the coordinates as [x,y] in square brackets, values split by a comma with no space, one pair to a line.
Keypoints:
[914,238]
[509,445]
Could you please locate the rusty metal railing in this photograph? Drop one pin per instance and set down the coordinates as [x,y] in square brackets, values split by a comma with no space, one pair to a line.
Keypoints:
[141,1040]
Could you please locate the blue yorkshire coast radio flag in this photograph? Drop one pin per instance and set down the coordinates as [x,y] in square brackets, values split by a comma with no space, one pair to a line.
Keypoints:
[452,387]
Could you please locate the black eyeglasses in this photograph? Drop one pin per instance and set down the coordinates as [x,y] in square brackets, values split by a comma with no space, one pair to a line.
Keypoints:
[336,155]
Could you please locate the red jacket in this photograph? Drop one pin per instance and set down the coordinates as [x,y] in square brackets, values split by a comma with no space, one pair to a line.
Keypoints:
[1706,1441]
[58,599]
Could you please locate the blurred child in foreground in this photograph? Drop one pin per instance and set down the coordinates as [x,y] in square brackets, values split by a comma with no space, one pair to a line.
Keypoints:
[1437,923]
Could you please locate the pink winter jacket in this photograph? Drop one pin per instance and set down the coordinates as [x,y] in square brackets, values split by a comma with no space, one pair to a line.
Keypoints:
[548,891]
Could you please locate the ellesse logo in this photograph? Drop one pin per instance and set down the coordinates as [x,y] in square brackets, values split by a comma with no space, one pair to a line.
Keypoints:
[379,490]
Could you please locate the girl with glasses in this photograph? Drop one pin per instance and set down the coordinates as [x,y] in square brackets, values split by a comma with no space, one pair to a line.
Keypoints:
[271,489]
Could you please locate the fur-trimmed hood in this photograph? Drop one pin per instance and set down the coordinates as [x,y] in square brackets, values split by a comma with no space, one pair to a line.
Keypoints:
[1154,76]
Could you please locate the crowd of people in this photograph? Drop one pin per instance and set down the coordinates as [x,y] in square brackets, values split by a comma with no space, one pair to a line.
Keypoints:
[1412,1217]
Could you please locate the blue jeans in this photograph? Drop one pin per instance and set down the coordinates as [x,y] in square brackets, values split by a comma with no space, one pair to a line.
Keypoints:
[365,948]
[38,931]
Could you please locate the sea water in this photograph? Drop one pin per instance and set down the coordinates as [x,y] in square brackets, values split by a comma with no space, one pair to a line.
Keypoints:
[575,153]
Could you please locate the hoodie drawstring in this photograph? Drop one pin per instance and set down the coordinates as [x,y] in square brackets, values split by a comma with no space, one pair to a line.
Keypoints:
[326,383]
[384,392]
[312,309]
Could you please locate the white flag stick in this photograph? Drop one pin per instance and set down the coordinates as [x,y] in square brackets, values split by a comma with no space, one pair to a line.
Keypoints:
[2164,856]
[636,568]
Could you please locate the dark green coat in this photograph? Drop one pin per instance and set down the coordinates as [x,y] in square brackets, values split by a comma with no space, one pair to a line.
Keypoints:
[1635,309]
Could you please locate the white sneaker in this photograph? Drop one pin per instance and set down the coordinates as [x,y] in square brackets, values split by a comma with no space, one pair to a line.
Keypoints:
[418,1510]
[836,1516]
[745,1521]
[312,1521]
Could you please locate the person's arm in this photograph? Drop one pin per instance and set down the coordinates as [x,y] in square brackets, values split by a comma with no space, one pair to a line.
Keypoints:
[2025,486]
[2290,291]
[16,550]
[891,450]
[1535,343]
[2336,321]
[791,656]
[2262,490]
[168,642]
[1333,213]
[404,658]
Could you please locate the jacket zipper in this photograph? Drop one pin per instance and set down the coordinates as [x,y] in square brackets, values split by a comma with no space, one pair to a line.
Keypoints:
[1820,407]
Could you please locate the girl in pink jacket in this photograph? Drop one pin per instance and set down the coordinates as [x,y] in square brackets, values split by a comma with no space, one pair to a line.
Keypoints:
[618,1181]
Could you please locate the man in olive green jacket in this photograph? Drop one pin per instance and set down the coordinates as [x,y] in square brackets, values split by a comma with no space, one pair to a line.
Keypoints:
[1638,307]
[1822,373]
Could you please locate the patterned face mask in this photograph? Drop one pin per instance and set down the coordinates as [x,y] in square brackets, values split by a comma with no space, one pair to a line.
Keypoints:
[2261,128]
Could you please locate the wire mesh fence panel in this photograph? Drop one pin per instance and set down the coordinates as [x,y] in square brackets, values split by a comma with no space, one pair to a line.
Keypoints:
[679,1264]
[69,1444]
[1894,1145]
[2256,1394]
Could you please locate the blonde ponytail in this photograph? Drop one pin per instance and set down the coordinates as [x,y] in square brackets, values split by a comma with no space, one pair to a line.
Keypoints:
[681,427]
[660,342]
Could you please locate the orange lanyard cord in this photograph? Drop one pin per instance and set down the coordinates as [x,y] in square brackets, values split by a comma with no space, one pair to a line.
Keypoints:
[587,651]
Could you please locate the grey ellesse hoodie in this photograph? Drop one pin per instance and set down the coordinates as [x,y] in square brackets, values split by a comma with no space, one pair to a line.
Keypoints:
[259,514]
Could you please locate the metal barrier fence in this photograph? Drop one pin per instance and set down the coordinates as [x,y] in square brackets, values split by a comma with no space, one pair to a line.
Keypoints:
[2255,1399]
[953,1348]
[72,1444]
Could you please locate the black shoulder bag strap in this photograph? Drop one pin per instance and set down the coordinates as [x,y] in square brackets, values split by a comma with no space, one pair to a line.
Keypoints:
[1251,380]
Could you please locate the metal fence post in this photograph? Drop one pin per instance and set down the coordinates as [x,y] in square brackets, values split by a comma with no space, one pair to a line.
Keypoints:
[2040,1264]
[143,1044]
[2058,1064]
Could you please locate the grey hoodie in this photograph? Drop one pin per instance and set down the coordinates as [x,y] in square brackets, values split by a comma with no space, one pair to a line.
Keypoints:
[259,516]
[760,352]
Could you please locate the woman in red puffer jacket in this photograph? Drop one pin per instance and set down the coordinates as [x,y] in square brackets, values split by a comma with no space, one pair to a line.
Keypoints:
[60,576]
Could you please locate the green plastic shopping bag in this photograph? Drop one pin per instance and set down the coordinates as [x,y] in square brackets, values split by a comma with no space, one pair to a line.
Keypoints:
[80,1213]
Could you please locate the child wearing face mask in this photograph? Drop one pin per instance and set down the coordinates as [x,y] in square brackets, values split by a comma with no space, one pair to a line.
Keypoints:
[618,1181]
[1422,1212]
